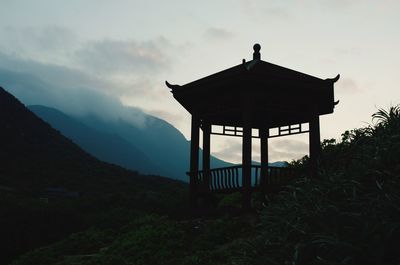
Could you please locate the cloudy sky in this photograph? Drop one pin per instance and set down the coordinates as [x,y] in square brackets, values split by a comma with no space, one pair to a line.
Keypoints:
[127,49]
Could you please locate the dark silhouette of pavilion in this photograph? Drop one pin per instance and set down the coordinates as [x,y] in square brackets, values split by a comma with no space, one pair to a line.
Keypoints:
[252,95]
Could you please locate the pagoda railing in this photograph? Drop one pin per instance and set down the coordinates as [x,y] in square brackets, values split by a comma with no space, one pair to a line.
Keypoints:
[228,179]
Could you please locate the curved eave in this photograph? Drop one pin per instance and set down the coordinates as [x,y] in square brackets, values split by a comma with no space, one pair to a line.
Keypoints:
[333,80]
[172,86]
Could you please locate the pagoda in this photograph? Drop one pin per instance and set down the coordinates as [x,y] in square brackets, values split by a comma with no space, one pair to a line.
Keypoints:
[254,100]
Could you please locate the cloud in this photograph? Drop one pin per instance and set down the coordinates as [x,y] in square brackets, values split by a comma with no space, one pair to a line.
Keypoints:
[278,149]
[124,70]
[277,12]
[166,115]
[340,4]
[284,156]
[231,151]
[287,149]
[349,51]
[47,43]
[88,77]
[261,10]
[290,144]
[108,57]
[51,73]
[348,86]
[113,57]
[218,34]
[35,84]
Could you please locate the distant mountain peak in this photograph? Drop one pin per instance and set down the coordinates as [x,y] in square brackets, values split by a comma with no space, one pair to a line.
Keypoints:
[34,156]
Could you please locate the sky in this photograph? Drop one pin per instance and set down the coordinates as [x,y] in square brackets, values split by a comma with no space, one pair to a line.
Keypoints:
[107,53]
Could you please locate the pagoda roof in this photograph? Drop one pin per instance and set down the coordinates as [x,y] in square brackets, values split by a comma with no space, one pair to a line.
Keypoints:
[275,95]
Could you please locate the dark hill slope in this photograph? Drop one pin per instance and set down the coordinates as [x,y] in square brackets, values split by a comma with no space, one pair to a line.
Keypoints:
[35,156]
[104,146]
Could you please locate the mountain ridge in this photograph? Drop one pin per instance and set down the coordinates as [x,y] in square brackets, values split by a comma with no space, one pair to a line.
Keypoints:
[164,145]
[104,146]
[33,155]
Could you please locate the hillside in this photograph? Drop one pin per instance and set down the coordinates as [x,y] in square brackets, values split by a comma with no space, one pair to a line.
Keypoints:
[49,187]
[35,156]
[157,139]
[156,148]
[104,146]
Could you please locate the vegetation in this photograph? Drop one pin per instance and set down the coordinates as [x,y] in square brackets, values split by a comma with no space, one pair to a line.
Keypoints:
[32,220]
[349,215]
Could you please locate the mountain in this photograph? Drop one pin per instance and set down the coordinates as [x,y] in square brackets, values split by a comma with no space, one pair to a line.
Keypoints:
[278,164]
[31,150]
[158,139]
[35,156]
[104,146]
[156,147]
[50,187]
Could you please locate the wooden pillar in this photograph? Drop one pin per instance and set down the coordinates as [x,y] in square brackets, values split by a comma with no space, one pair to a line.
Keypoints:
[263,133]
[206,154]
[194,159]
[315,146]
[246,160]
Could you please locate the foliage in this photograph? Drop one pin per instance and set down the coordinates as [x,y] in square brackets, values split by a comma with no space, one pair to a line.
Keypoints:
[150,239]
[351,214]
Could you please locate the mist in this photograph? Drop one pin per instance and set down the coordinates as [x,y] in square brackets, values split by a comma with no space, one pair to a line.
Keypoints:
[69,90]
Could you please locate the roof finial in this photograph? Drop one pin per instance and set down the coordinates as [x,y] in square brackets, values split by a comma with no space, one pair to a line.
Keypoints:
[256,53]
